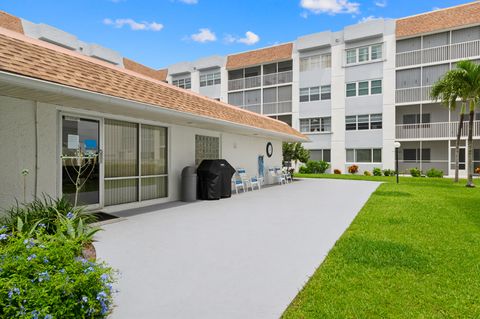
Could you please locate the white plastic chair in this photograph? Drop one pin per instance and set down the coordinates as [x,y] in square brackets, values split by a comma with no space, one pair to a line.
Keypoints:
[277,177]
[288,176]
[254,181]
[237,184]
[242,173]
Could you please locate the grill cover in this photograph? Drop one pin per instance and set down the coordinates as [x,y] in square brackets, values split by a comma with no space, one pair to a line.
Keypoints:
[214,179]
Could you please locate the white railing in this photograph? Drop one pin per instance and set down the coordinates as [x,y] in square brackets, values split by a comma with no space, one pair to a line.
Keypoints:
[277,107]
[415,94]
[440,53]
[245,83]
[434,130]
[277,78]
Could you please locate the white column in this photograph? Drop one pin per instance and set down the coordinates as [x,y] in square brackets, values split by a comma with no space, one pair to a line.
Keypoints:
[338,108]
[295,90]
[388,82]
[224,85]
[195,76]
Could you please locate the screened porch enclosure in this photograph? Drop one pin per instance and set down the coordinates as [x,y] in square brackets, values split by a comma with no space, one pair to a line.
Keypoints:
[136,167]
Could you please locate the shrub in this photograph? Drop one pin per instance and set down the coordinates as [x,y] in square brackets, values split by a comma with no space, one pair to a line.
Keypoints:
[367,173]
[477,170]
[353,169]
[43,211]
[45,278]
[314,167]
[415,172]
[388,172]
[337,171]
[377,171]
[433,172]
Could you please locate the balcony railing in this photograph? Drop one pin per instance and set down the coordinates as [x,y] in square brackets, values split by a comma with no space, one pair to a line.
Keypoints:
[437,130]
[257,108]
[441,53]
[415,94]
[277,78]
[277,107]
[256,81]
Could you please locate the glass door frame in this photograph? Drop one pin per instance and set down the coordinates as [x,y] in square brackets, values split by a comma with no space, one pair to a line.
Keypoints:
[61,114]
[461,172]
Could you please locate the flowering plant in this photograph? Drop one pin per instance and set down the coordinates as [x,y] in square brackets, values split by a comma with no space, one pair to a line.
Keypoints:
[44,278]
[337,171]
[477,170]
[353,169]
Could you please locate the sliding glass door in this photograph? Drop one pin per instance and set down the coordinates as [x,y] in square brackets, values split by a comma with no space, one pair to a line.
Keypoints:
[135,162]
[80,160]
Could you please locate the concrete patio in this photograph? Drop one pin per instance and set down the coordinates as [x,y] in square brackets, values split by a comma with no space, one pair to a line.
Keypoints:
[243,257]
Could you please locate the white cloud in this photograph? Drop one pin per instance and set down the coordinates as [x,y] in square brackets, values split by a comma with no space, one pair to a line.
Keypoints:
[188,1]
[134,25]
[381,3]
[369,18]
[330,6]
[249,39]
[204,35]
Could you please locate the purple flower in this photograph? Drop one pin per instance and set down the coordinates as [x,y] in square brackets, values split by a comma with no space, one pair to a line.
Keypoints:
[32,256]
[15,290]
[29,243]
[70,215]
[88,270]
[42,225]
[3,236]
[43,276]
[48,317]
[101,295]
[35,314]
[85,299]
[104,277]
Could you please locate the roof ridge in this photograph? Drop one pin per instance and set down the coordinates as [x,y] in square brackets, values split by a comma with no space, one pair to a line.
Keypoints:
[262,48]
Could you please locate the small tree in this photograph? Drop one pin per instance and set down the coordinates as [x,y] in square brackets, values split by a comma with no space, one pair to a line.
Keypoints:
[295,152]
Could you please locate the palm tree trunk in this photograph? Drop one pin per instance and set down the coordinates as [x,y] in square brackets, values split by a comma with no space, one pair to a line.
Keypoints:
[469,146]
[457,146]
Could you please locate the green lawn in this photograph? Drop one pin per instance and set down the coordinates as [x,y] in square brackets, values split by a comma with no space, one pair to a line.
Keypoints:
[413,251]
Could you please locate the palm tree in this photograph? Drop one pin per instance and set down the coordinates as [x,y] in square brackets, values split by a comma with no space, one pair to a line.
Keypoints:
[448,89]
[471,73]
[461,83]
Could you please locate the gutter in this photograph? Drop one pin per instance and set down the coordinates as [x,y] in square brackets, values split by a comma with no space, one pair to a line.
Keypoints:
[55,88]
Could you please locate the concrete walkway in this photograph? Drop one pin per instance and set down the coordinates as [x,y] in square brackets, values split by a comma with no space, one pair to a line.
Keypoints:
[243,257]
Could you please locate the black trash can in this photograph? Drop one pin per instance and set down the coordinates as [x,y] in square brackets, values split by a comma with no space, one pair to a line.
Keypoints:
[214,179]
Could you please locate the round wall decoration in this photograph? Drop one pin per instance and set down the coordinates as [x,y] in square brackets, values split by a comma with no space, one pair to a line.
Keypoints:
[269,149]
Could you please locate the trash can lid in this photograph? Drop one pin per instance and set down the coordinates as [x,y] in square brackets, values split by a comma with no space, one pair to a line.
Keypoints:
[189,170]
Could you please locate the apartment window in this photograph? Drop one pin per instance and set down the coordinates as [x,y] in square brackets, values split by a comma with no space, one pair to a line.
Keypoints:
[351,89]
[376,52]
[317,124]
[305,95]
[364,155]
[413,155]
[351,123]
[320,61]
[352,56]
[363,88]
[326,92]
[184,83]
[315,93]
[320,155]
[376,87]
[364,54]
[210,79]
[363,122]
[375,121]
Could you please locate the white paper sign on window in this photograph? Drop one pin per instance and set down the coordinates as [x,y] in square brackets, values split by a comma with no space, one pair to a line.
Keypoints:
[73,141]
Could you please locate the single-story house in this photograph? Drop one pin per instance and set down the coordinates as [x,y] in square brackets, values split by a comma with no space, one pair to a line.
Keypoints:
[134,132]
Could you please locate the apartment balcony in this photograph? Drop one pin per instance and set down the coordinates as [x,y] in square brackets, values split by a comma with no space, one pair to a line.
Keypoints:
[277,107]
[415,94]
[437,54]
[434,131]
[257,108]
[256,81]
[277,78]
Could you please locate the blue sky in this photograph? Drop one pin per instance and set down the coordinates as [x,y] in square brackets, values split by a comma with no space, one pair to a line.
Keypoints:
[162,32]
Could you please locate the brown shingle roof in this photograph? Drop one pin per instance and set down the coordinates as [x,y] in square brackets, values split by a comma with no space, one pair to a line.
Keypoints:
[272,54]
[33,58]
[10,22]
[162,74]
[142,69]
[467,14]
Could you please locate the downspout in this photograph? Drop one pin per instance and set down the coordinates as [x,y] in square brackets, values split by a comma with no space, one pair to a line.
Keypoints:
[36,151]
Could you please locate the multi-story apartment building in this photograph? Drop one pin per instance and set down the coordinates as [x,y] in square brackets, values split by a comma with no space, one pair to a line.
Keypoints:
[357,91]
